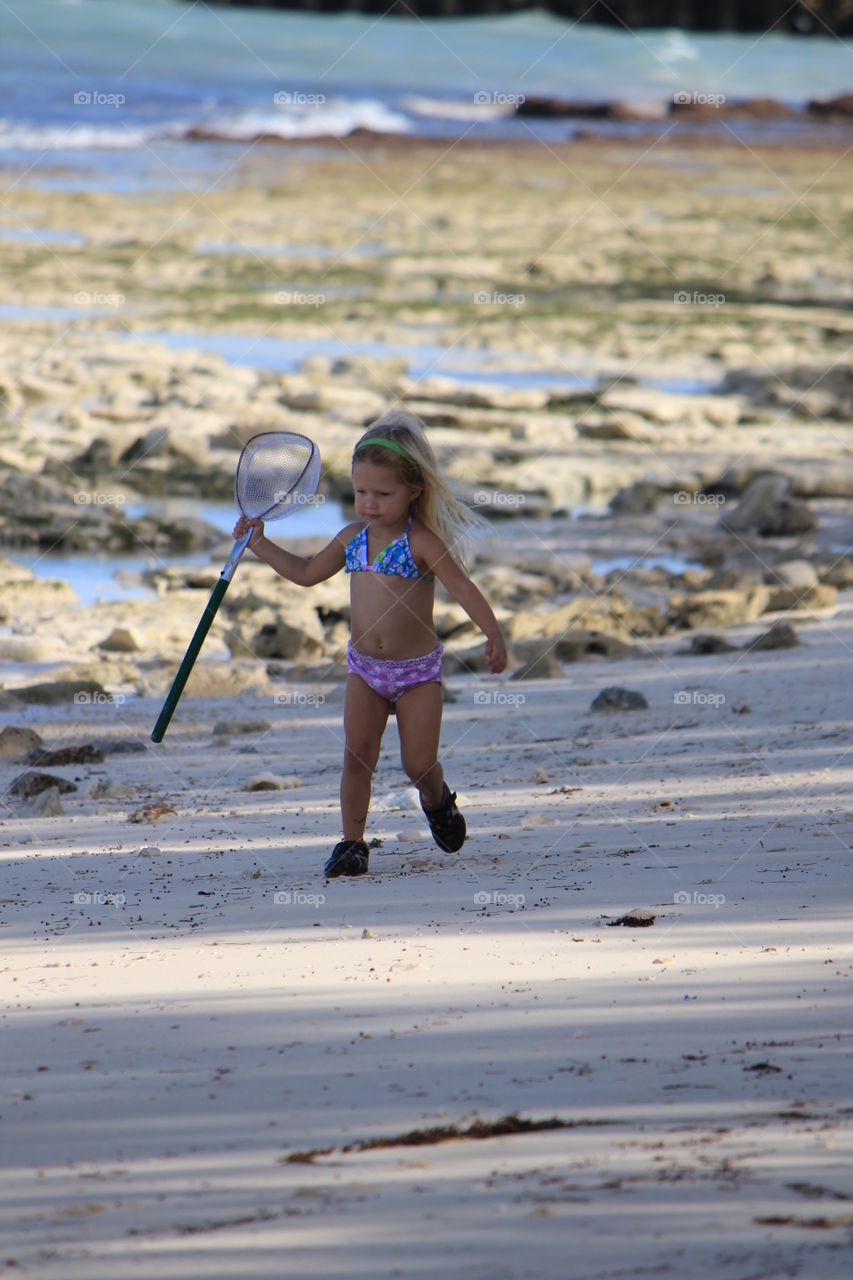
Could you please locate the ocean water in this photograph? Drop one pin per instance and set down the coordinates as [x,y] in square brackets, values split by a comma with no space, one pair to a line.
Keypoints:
[118,576]
[85,79]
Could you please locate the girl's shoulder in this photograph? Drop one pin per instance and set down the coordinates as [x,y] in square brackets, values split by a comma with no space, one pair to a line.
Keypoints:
[350,531]
[427,548]
[421,535]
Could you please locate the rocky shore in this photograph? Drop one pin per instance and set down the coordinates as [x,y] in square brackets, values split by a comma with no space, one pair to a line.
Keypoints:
[700,417]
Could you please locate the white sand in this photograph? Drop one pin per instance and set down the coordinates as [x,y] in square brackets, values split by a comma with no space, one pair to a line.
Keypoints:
[163,1056]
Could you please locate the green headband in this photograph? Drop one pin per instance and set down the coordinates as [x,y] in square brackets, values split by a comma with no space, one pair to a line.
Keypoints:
[384,443]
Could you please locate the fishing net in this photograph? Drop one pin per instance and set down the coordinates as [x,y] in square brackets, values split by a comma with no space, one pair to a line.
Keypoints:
[277,472]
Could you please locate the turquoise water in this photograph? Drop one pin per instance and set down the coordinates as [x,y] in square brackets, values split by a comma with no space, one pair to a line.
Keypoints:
[134,76]
[672,564]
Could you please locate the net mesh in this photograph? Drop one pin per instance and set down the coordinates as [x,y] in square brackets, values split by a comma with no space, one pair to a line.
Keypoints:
[276,471]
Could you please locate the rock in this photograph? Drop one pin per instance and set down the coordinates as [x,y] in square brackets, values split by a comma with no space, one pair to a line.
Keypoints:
[18,741]
[787,519]
[839,574]
[574,646]
[152,812]
[439,390]
[637,499]
[227,727]
[821,596]
[121,640]
[223,679]
[798,574]
[617,699]
[702,645]
[54,693]
[85,753]
[780,636]
[717,608]
[26,649]
[759,500]
[740,579]
[767,508]
[28,595]
[617,426]
[752,108]
[825,478]
[841,106]
[46,804]
[636,918]
[287,640]
[110,789]
[464,661]
[32,783]
[269,782]
[188,533]
[149,851]
[609,614]
[119,746]
[152,444]
[542,108]
[546,666]
[99,455]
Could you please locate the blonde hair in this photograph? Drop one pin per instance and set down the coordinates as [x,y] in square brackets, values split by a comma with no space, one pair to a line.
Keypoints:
[437,508]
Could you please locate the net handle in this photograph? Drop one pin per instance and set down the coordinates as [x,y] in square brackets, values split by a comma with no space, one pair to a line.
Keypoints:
[218,592]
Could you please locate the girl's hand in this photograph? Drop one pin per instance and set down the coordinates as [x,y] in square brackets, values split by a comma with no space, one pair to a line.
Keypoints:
[495,653]
[244,524]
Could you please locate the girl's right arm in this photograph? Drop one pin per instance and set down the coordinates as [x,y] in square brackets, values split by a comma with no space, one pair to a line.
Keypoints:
[305,571]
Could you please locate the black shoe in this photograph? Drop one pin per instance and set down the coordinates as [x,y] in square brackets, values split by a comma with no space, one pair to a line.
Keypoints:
[348,858]
[446,823]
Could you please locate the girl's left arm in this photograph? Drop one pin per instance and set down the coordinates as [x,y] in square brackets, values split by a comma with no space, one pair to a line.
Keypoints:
[458,585]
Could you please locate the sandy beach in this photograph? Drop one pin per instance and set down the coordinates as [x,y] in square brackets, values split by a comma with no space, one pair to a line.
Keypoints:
[634,359]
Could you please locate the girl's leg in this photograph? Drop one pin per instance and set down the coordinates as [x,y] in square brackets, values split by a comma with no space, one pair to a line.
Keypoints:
[419,722]
[365,717]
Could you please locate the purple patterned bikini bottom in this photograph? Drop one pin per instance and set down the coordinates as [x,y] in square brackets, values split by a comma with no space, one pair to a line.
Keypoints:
[392,677]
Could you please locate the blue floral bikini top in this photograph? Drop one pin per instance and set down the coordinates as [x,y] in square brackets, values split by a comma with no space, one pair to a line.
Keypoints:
[396,559]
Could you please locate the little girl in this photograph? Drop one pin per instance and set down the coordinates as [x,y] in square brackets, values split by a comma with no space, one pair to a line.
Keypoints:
[408,528]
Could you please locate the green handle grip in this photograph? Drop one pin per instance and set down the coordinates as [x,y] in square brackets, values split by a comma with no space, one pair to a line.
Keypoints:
[190,656]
